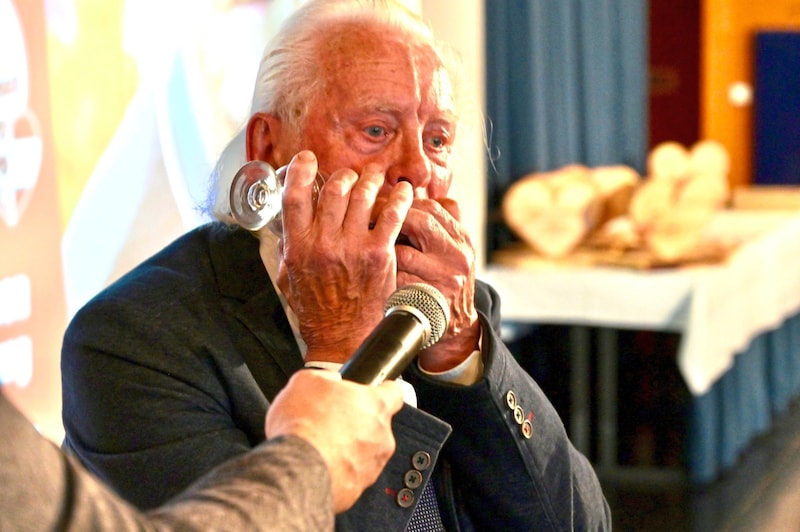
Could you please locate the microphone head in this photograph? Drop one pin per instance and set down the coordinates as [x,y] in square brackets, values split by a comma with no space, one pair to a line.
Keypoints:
[425,301]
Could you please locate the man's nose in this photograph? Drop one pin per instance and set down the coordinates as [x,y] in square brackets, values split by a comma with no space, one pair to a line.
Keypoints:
[410,163]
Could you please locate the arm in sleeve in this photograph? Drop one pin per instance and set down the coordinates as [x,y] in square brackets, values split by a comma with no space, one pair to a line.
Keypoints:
[282,483]
[504,475]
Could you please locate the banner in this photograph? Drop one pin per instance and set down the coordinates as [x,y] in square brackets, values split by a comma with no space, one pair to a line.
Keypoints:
[32,308]
[112,114]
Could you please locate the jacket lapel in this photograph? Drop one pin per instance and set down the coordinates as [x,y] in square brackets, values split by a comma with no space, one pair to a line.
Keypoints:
[250,296]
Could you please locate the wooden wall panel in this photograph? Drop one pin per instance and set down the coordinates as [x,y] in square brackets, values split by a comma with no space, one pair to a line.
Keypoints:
[728,28]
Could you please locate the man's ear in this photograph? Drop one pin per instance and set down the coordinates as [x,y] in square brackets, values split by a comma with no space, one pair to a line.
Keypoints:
[263,132]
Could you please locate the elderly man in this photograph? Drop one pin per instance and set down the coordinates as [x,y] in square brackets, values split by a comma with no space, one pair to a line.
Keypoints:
[166,372]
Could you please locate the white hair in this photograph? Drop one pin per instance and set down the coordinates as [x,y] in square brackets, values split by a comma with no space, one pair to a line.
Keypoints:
[289,74]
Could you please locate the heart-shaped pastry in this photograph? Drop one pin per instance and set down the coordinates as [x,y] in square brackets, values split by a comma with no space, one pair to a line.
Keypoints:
[554,211]
[672,207]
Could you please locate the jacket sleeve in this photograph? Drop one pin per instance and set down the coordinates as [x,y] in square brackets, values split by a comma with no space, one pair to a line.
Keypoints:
[389,503]
[281,484]
[512,464]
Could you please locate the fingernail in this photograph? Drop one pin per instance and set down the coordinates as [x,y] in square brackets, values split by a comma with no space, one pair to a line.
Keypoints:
[306,156]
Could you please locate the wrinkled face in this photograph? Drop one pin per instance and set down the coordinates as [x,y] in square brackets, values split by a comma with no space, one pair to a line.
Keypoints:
[385,102]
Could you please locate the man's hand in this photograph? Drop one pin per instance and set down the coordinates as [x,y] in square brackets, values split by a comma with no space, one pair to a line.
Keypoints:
[349,424]
[336,267]
[441,254]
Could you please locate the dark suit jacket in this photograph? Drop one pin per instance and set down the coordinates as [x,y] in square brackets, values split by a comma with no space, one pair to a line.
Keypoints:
[170,371]
[276,486]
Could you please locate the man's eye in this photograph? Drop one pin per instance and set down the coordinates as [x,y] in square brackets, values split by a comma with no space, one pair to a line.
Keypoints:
[439,142]
[375,131]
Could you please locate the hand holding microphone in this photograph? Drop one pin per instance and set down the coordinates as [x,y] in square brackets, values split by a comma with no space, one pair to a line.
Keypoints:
[416,317]
[349,424]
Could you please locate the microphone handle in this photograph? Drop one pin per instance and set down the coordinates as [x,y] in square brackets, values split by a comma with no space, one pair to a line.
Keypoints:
[388,350]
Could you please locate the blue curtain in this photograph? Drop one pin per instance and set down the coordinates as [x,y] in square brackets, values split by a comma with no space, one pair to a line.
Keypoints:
[744,402]
[566,83]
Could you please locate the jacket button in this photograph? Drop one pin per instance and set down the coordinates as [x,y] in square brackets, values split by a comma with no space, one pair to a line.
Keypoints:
[519,415]
[421,460]
[405,498]
[527,429]
[511,400]
[412,479]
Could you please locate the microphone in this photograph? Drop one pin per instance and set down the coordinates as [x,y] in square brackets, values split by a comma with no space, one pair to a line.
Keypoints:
[415,317]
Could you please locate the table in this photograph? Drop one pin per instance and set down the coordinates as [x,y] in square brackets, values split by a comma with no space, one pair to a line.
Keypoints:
[749,302]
